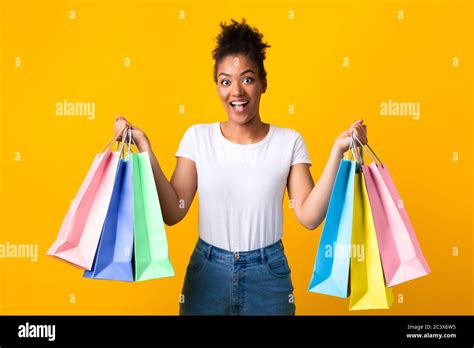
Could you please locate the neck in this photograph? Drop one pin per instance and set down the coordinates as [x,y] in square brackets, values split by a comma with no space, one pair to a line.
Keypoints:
[247,133]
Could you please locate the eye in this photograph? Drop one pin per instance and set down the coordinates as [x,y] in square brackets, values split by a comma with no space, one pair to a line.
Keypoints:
[247,80]
[225,83]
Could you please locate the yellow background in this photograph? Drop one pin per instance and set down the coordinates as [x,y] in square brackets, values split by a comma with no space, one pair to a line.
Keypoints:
[407,59]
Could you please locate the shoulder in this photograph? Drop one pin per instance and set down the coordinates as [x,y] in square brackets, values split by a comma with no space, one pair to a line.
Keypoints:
[288,134]
[201,127]
[199,130]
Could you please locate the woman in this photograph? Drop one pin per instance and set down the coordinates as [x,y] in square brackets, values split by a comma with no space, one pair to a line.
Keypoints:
[241,168]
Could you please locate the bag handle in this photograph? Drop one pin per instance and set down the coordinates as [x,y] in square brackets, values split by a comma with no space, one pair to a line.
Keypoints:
[374,158]
[358,155]
[128,145]
[129,137]
[123,147]
[348,152]
[355,153]
[115,139]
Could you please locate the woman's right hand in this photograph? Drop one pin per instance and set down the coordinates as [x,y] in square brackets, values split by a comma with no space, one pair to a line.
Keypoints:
[175,195]
[138,135]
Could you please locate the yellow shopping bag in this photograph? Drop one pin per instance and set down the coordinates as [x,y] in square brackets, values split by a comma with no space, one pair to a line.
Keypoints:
[368,290]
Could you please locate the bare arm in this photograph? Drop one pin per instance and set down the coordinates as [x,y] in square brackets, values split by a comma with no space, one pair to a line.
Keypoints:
[175,195]
[310,202]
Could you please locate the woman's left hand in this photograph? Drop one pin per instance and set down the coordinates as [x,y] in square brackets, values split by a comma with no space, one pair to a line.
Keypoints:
[342,141]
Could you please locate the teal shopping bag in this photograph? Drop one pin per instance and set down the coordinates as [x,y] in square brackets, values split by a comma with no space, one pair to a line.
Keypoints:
[331,269]
[150,243]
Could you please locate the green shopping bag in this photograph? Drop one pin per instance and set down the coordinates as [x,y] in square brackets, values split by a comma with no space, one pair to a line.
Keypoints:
[150,244]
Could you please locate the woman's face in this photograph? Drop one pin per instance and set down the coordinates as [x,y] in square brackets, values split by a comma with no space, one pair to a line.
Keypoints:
[239,87]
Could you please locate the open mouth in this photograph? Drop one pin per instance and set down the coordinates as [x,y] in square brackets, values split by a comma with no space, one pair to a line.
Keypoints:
[239,106]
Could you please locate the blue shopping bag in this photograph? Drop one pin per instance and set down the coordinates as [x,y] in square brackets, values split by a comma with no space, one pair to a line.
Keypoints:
[113,259]
[331,269]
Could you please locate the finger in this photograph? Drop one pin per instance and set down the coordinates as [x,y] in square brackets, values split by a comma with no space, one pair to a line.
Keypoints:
[120,130]
[119,134]
[119,125]
[358,132]
[122,121]
[361,134]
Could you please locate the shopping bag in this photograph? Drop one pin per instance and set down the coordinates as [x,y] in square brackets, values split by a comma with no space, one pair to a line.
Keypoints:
[402,258]
[113,259]
[80,231]
[150,243]
[331,269]
[367,283]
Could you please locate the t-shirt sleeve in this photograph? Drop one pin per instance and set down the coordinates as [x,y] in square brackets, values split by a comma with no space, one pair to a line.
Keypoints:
[187,145]
[300,152]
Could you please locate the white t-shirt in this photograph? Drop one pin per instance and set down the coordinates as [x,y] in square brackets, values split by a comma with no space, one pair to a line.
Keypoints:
[241,187]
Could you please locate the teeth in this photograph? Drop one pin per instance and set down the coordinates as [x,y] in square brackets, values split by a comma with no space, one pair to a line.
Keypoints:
[238,103]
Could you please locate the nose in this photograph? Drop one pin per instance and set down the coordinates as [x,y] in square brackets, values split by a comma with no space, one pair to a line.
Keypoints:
[237,89]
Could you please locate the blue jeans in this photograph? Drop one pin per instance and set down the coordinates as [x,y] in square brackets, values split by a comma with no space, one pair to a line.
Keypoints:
[221,282]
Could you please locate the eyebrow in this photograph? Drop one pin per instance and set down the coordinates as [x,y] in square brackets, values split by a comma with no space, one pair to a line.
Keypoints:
[242,73]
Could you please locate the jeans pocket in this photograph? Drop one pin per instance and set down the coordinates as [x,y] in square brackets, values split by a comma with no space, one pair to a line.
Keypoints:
[196,262]
[278,267]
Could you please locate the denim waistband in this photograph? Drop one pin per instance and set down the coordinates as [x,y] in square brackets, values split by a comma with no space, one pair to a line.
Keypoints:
[212,252]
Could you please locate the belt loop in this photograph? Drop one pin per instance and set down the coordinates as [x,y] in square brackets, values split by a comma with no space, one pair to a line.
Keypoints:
[281,243]
[209,249]
[262,255]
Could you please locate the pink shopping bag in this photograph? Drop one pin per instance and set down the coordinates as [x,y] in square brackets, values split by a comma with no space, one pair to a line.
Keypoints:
[402,258]
[80,231]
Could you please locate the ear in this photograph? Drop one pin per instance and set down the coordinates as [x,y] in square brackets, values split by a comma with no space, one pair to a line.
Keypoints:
[264,86]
